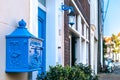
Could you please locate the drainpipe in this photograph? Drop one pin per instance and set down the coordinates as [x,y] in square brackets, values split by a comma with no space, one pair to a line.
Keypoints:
[99,41]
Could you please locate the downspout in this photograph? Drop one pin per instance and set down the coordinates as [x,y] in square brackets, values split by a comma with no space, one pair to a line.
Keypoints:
[89,54]
[98,56]
[89,44]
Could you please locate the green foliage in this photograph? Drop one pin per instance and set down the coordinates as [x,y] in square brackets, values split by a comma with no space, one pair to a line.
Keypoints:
[77,72]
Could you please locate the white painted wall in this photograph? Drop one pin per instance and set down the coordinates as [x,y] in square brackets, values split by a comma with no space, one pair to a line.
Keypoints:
[54,33]
[81,43]
[54,23]
[84,47]
[50,34]
[95,55]
[59,32]
[34,17]
[54,29]
[11,11]
[92,50]
[94,16]
[77,50]
[34,4]
[94,33]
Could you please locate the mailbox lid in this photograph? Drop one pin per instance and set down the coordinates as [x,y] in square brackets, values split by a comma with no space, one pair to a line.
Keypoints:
[21,31]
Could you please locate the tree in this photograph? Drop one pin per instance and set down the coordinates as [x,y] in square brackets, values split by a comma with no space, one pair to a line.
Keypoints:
[112,46]
[115,43]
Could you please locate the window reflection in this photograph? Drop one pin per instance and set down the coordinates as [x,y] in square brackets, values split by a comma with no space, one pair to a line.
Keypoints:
[43,2]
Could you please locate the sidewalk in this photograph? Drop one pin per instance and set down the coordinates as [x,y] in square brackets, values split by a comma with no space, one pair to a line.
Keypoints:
[108,76]
[115,75]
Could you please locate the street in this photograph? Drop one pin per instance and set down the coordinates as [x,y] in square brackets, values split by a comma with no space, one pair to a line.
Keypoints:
[115,75]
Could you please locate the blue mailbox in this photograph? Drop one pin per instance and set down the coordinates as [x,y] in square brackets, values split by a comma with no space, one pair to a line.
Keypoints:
[23,50]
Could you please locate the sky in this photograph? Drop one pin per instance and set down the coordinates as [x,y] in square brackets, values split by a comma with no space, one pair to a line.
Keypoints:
[112,20]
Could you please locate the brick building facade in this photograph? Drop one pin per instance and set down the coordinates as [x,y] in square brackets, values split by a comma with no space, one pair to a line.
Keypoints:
[82,10]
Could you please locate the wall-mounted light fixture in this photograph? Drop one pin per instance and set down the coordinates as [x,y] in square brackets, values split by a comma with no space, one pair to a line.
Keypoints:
[71,14]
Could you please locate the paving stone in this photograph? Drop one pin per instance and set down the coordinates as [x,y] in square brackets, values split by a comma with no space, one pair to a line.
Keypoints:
[115,75]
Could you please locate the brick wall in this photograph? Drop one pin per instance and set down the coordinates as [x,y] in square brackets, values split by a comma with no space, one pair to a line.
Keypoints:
[66,37]
[84,7]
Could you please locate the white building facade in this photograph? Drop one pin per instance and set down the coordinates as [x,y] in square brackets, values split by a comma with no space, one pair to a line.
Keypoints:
[94,33]
[36,13]
[45,19]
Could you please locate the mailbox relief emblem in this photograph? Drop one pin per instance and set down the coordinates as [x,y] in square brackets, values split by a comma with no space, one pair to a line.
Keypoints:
[35,54]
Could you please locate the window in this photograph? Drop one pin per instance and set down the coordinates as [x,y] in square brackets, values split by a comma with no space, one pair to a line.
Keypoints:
[87,52]
[76,22]
[43,2]
[82,27]
[87,33]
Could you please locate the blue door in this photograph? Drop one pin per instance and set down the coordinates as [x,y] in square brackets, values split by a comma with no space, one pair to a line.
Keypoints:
[42,34]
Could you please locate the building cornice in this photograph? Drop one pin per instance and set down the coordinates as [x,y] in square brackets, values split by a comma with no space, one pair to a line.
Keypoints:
[93,27]
[80,13]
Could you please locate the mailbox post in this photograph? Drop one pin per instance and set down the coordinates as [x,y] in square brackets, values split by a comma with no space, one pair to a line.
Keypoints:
[23,50]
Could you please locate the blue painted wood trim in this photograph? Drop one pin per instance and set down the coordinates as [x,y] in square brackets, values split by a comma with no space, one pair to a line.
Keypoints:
[42,19]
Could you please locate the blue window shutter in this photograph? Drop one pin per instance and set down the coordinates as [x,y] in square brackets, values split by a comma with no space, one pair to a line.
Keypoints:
[42,34]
